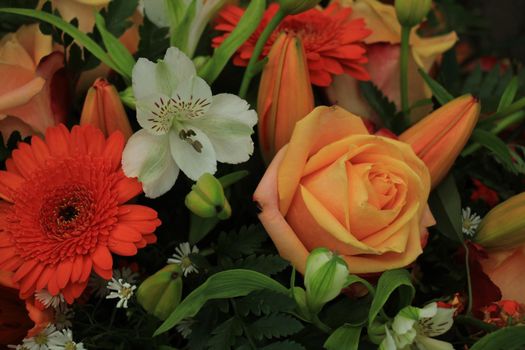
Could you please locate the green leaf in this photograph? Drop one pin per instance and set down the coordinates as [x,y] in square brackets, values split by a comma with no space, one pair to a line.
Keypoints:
[445,204]
[266,264]
[511,338]
[242,243]
[232,178]
[153,40]
[274,326]
[117,51]
[225,284]
[223,337]
[345,337]
[439,92]
[509,94]
[473,81]
[80,37]
[244,29]
[385,108]
[284,345]
[496,145]
[180,32]
[200,227]
[389,282]
[264,302]
[118,15]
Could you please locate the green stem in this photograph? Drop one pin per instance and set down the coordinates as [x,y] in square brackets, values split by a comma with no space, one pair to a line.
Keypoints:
[320,325]
[403,76]
[251,68]
[511,109]
[469,280]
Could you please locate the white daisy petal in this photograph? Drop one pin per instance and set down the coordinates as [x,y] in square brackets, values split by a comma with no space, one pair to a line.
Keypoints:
[148,158]
[193,152]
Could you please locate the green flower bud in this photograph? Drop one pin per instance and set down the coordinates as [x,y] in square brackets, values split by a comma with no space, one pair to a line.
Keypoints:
[207,198]
[293,7]
[326,274]
[299,296]
[412,12]
[160,293]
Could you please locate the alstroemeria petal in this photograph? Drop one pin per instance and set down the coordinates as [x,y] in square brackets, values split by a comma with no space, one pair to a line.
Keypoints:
[179,67]
[144,79]
[156,11]
[155,113]
[148,158]
[192,99]
[229,124]
[438,324]
[192,151]
[432,344]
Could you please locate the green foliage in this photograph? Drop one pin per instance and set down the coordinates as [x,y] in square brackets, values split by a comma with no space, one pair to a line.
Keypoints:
[264,302]
[283,345]
[245,241]
[498,148]
[153,40]
[440,93]
[445,205]
[511,338]
[118,14]
[385,108]
[345,337]
[274,326]
[224,336]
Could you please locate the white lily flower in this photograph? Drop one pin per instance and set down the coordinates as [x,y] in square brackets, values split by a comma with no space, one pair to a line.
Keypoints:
[184,126]
[413,329]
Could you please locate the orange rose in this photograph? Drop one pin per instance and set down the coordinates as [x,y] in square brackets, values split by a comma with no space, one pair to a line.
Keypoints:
[338,187]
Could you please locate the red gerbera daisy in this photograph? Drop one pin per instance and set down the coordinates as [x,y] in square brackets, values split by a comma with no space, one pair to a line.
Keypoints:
[331,40]
[64,211]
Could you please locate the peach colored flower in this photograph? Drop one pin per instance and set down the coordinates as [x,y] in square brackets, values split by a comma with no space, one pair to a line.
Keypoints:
[338,187]
[29,69]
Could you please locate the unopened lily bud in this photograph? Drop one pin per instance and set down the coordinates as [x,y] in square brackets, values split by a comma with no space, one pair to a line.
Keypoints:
[325,276]
[293,7]
[504,226]
[439,138]
[411,12]
[285,94]
[160,293]
[207,198]
[104,109]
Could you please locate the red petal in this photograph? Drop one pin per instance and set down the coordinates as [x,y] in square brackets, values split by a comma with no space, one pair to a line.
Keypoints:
[105,274]
[128,188]
[44,277]
[24,269]
[125,233]
[77,269]
[113,149]
[63,273]
[122,248]
[102,258]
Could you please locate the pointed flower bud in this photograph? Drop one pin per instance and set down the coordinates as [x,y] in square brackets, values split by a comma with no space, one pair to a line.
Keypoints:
[160,293]
[207,198]
[439,138]
[412,12]
[504,226]
[293,7]
[325,276]
[285,94]
[104,110]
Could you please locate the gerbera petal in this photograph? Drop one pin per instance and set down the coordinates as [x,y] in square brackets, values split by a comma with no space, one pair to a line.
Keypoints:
[44,277]
[29,281]
[63,273]
[105,274]
[125,233]
[102,257]
[77,269]
[193,152]
[229,124]
[113,149]
[148,158]
[86,269]
[122,248]
[128,188]
[9,183]
[57,140]
[24,269]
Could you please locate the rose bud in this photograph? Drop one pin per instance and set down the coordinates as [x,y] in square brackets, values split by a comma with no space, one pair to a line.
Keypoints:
[412,12]
[439,138]
[104,110]
[504,226]
[285,94]
[207,198]
[160,293]
[325,276]
[293,7]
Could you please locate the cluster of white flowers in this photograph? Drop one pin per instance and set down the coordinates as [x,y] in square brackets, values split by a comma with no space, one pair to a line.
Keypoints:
[182,257]
[63,314]
[50,338]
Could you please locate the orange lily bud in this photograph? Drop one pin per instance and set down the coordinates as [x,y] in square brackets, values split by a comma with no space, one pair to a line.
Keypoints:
[504,226]
[103,109]
[439,138]
[285,94]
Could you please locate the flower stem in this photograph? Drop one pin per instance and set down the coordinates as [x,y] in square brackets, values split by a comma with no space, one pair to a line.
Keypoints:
[403,76]
[469,280]
[320,325]
[251,70]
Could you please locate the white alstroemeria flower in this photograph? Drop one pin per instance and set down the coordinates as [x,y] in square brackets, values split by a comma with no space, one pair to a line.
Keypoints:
[413,329]
[184,126]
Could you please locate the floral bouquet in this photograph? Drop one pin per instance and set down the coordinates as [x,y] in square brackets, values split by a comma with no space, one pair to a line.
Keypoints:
[274,175]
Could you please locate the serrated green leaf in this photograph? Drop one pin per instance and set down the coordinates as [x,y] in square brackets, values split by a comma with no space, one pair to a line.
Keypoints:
[200,227]
[345,337]
[509,94]
[274,326]
[445,204]
[385,108]
[511,338]
[225,284]
[284,345]
[495,145]
[243,30]
[223,337]
[80,37]
[389,282]
[153,40]
[264,302]
[244,242]
[473,81]
[489,83]
[118,15]
[439,92]
[267,264]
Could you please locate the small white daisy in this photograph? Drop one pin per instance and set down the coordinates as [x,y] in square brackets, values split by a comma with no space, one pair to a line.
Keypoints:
[48,300]
[18,347]
[63,317]
[63,340]
[42,340]
[122,290]
[184,327]
[471,222]
[182,257]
